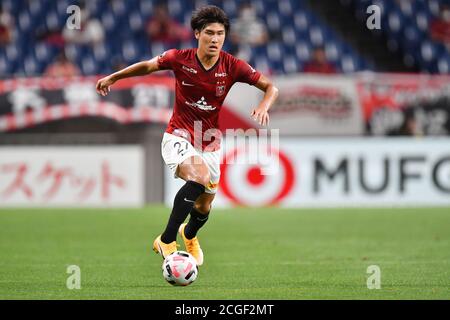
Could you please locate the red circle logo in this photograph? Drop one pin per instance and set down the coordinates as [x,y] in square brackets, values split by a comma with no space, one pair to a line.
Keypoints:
[255,179]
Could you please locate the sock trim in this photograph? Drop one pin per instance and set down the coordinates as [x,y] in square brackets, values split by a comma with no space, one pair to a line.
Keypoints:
[196,185]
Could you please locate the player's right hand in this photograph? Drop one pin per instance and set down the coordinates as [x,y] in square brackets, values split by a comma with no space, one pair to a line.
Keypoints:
[103,85]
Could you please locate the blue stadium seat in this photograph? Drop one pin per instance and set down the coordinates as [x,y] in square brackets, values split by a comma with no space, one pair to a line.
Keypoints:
[175,7]
[285,8]
[230,7]
[118,8]
[100,53]
[261,63]
[53,21]
[411,36]
[395,23]
[427,54]
[316,35]
[348,63]
[433,7]
[30,66]
[75,52]
[289,35]
[130,51]
[259,6]
[333,51]
[108,21]
[23,23]
[12,6]
[157,48]
[290,64]
[136,23]
[443,64]
[89,66]
[3,64]
[408,8]
[62,5]
[146,8]
[301,21]
[44,53]
[13,53]
[274,51]
[303,51]
[96,7]
[422,21]
[273,22]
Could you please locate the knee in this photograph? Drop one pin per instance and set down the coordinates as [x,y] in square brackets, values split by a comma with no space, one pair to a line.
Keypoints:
[202,207]
[202,178]
[198,173]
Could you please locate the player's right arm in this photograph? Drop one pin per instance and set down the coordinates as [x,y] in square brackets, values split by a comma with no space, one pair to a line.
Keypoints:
[138,69]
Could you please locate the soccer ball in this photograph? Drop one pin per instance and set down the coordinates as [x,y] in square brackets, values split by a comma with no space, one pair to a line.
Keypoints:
[180,268]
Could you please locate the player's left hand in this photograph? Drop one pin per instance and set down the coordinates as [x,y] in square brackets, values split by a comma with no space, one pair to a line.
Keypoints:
[261,116]
[104,85]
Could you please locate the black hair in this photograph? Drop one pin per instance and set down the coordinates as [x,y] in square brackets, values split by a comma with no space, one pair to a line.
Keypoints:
[209,14]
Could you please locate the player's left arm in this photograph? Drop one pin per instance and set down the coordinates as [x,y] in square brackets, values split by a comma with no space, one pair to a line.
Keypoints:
[261,113]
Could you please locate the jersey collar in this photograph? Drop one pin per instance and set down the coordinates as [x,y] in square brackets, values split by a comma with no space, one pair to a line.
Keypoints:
[203,67]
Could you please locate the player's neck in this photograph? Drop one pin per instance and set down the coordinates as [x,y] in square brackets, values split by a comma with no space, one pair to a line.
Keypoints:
[206,60]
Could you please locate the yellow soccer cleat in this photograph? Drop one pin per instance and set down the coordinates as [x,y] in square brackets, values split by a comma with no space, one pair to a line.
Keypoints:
[162,248]
[192,246]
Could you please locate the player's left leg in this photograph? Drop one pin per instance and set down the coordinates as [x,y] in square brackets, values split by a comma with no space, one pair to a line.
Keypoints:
[198,217]
[199,214]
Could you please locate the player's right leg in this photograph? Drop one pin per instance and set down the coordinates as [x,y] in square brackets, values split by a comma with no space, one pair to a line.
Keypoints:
[194,170]
[195,173]
[188,165]
[202,207]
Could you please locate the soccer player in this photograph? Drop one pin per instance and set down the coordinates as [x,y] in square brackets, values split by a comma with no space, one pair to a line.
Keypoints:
[204,75]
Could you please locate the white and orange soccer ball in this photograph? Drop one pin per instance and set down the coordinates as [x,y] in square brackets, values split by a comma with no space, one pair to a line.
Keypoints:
[180,268]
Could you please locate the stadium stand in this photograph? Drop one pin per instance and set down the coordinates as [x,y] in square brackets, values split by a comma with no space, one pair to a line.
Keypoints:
[295,29]
[407,25]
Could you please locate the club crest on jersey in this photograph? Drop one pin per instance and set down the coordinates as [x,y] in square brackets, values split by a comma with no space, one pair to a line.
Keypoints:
[220,90]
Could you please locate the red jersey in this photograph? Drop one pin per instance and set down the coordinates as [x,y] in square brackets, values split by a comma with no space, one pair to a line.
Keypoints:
[199,93]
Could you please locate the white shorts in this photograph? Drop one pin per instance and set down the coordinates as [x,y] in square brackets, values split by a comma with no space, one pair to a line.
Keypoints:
[175,150]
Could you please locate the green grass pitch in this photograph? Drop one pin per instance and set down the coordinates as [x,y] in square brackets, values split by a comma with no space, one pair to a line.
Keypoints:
[265,253]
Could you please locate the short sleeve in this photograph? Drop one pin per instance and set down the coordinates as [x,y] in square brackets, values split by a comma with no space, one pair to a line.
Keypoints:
[166,59]
[246,73]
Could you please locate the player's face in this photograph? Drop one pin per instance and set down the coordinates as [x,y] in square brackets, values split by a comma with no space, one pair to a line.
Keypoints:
[211,38]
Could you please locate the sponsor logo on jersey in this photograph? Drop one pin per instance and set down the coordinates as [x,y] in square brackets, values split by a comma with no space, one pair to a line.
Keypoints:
[201,104]
[186,84]
[220,75]
[180,133]
[191,70]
